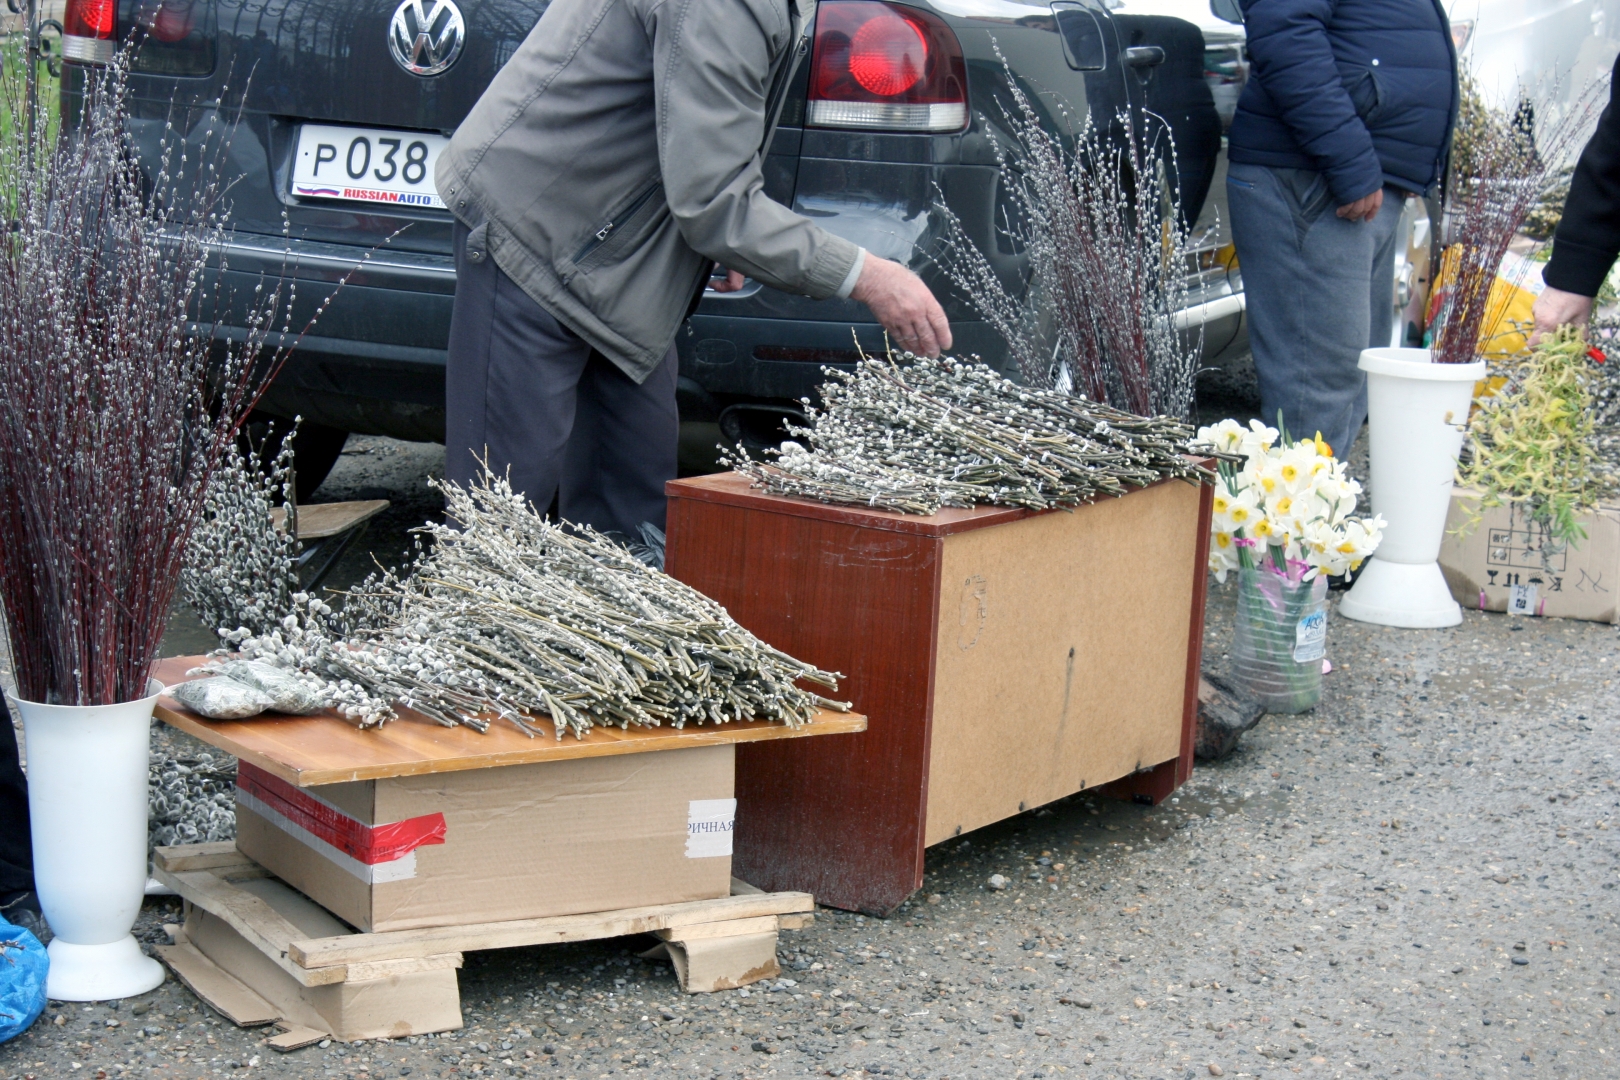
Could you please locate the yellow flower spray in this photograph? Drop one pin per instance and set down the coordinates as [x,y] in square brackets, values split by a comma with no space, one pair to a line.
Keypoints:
[1534,443]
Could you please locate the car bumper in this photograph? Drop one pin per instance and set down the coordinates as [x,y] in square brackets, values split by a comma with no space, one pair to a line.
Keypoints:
[368,336]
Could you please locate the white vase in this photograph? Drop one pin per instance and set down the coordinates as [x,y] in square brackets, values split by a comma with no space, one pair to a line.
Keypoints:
[1417,410]
[87,769]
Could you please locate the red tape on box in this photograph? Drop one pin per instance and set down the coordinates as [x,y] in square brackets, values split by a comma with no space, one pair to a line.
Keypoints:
[371,844]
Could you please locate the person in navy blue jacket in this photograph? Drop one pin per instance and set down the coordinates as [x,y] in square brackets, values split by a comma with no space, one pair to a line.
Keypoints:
[1348,111]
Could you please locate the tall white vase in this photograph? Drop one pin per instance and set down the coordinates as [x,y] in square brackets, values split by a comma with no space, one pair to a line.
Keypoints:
[1416,410]
[87,768]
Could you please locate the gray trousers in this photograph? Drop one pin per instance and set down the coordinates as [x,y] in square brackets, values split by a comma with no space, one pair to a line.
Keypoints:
[551,412]
[1319,289]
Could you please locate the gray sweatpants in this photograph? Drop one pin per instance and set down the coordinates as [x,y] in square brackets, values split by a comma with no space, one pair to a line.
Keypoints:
[551,412]
[1319,289]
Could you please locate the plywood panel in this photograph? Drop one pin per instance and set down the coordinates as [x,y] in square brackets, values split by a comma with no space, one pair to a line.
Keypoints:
[868,593]
[1061,658]
[840,818]
[312,750]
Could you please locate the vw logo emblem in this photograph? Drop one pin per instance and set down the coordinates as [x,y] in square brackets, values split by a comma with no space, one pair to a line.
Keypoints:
[426,36]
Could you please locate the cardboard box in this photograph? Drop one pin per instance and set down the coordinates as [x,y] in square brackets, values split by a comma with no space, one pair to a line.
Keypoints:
[1006,659]
[1508,563]
[488,845]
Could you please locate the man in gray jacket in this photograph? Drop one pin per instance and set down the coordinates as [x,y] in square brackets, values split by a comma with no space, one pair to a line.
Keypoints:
[610,165]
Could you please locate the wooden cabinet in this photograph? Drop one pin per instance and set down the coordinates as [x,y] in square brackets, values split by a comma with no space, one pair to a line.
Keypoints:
[1003,658]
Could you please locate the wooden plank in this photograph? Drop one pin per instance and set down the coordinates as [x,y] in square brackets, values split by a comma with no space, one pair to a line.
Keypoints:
[296,1037]
[250,916]
[739,887]
[322,953]
[240,1005]
[1051,674]
[319,521]
[735,490]
[760,924]
[1158,783]
[840,818]
[308,751]
[199,856]
[802,921]
[410,965]
[407,1004]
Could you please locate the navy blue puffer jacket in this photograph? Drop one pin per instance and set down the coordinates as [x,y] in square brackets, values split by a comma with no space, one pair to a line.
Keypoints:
[1364,91]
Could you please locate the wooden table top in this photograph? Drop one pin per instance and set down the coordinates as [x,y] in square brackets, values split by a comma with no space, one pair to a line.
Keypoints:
[735,489]
[308,751]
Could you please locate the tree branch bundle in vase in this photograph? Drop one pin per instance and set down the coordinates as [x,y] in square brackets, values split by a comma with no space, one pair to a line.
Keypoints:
[1418,400]
[113,415]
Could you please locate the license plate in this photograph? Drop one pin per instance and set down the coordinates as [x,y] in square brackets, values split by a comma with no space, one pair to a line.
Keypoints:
[367,165]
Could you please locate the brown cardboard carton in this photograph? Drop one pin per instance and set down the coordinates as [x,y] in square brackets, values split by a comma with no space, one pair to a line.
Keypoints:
[488,845]
[1508,563]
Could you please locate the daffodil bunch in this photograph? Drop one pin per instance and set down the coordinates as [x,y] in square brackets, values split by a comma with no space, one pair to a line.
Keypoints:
[1287,508]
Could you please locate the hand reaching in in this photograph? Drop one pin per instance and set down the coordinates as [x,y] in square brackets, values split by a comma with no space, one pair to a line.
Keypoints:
[902,303]
[1555,307]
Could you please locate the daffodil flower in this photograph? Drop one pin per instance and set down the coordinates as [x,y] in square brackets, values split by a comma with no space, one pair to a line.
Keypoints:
[1289,504]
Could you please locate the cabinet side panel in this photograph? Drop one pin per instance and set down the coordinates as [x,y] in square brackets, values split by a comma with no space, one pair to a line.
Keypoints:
[838,816]
[1062,654]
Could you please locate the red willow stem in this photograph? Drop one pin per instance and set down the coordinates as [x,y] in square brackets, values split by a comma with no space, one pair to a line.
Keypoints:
[1511,159]
[115,411]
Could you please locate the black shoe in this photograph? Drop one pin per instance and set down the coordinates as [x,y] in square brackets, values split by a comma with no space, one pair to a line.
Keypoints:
[22,909]
[1340,582]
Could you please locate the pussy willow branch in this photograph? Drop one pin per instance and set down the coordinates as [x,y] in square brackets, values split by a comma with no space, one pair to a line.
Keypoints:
[924,434]
[1096,222]
[116,406]
[1500,171]
[508,614]
[241,571]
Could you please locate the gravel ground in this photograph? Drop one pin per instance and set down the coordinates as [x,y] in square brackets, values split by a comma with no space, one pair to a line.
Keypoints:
[1417,878]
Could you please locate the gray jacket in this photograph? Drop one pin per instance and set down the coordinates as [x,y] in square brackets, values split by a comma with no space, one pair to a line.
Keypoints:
[619,152]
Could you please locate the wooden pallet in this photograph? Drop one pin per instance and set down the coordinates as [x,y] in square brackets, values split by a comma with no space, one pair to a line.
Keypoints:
[261,953]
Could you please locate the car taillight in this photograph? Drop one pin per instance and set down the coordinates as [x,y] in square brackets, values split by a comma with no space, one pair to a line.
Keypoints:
[167,21]
[89,29]
[883,66]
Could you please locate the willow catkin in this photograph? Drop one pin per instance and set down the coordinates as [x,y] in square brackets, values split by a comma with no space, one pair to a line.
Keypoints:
[925,434]
[506,613]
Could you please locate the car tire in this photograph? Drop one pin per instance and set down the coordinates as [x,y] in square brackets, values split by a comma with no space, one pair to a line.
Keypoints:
[316,449]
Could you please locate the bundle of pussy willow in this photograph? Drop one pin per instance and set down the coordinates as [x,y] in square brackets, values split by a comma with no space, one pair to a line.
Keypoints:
[507,614]
[918,434]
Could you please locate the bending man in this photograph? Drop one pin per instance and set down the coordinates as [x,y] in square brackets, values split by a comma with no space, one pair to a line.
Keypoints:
[609,166]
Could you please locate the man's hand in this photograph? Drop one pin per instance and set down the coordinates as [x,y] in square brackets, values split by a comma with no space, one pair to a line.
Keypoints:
[732,282]
[903,304]
[1555,307]
[1363,209]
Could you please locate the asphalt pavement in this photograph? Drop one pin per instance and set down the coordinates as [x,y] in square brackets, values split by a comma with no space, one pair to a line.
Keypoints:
[1417,878]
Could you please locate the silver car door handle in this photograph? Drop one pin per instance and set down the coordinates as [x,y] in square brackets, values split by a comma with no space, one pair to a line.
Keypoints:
[1141,56]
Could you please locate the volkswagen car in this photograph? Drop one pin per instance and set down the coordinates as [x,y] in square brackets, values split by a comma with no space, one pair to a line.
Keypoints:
[342,107]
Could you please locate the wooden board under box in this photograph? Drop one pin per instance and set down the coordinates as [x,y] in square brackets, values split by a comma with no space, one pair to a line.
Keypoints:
[1005,659]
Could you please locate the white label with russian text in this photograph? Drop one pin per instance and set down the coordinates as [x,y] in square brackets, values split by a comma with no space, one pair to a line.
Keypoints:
[709,825]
